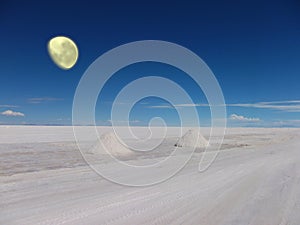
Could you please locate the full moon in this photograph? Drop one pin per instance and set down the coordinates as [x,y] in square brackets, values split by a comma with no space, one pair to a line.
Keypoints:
[63,51]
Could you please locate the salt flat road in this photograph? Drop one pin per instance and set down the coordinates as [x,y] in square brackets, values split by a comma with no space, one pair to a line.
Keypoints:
[255,185]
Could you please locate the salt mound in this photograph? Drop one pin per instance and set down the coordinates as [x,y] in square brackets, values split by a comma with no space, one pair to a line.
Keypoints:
[110,143]
[192,138]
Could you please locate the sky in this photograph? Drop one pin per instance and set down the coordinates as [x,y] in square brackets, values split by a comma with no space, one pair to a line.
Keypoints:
[252,47]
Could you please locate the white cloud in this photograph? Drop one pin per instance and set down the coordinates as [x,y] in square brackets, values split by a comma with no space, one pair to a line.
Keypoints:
[243,118]
[123,121]
[287,106]
[8,106]
[176,106]
[41,100]
[192,105]
[160,107]
[12,113]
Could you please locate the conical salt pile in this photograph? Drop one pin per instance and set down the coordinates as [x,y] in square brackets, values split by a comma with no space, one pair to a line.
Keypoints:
[110,143]
[192,138]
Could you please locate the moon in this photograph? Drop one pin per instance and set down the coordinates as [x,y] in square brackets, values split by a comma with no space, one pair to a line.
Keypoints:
[63,51]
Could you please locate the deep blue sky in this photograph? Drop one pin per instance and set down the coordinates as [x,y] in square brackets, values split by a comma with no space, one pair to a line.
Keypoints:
[253,48]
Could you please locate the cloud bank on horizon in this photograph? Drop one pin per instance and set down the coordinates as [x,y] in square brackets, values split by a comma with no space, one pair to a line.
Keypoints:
[289,106]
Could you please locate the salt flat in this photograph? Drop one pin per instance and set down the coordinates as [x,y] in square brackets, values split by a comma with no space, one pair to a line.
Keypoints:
[254,180]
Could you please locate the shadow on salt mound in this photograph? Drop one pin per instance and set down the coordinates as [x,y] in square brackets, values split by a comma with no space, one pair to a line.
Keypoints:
[109,143]
[192,138]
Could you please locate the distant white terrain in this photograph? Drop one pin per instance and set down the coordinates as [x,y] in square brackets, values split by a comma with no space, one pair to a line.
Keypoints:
[254,180]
